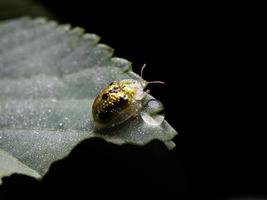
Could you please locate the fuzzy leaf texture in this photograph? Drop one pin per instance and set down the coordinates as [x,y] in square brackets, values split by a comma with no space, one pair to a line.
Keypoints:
[50,75]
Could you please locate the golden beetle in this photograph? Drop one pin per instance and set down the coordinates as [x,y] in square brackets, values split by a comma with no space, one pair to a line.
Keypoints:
[118,102]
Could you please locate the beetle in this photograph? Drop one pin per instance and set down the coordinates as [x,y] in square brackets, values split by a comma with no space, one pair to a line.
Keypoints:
[119,101]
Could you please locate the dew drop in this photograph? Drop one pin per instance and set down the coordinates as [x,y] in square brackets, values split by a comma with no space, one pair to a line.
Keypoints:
[53,100]
[36,132]
[153,112]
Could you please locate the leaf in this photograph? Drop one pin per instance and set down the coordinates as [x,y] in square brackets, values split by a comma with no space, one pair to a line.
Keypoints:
[10,164]
[49,77]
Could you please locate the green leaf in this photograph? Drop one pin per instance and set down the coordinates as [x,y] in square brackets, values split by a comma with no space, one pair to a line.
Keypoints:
[49,77]
[10,164]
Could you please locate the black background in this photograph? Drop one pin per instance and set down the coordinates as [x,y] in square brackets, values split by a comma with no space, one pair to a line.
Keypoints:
[206,55]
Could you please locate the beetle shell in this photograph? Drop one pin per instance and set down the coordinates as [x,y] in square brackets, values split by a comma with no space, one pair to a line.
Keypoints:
[117,103]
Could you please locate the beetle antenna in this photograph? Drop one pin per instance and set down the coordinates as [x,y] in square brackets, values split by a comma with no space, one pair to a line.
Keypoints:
[156,82]
[142,70]
[149,82]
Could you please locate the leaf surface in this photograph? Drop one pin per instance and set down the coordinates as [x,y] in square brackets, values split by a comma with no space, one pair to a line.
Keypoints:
[49,78]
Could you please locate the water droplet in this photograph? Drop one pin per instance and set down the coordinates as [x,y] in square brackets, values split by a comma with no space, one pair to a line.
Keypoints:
[36,132]
[60,124]
[54,100]
[49,110]
[153,112]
